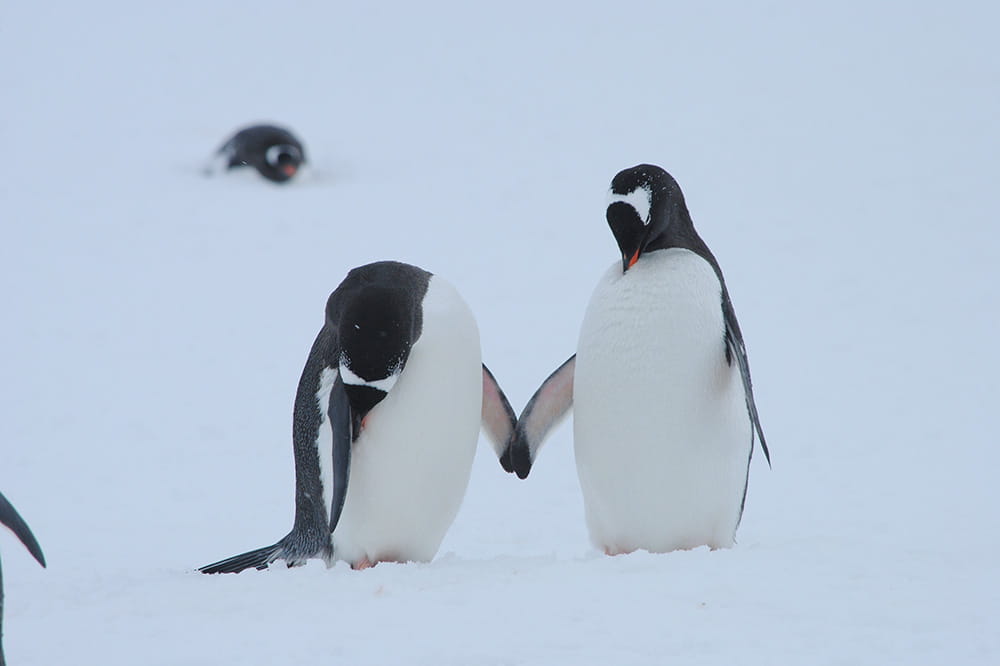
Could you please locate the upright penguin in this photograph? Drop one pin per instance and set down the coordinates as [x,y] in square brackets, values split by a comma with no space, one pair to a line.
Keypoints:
[664,414]
[386,421]
[273,151]
[10,518]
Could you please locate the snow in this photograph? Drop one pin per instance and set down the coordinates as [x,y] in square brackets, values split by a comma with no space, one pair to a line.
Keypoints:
[840,160]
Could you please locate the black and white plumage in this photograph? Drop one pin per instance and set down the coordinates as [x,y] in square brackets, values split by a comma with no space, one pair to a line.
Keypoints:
[10,518]
[664,413]
[386,421]
[273,151]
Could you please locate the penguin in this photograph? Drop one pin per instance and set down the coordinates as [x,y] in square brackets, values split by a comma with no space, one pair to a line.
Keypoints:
[386,421]
[664,417]
[273,151]
[12,520]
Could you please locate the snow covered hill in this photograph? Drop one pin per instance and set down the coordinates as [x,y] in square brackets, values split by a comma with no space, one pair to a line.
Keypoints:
[841,161]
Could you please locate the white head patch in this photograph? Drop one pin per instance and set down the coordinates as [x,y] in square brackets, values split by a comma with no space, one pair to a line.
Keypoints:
[640,199]
[383,385]
[274,153]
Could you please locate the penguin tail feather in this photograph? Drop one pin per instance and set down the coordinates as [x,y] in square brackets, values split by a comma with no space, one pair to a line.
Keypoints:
[258,559]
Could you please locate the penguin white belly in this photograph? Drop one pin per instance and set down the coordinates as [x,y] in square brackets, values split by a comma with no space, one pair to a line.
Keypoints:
[661,430]
[411,464]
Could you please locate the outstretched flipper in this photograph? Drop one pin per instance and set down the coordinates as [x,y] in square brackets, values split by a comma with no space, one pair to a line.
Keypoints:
[735,348]
[258,559]
[546,409]
[310,535]
[295,549]
[10,517]
[499,419]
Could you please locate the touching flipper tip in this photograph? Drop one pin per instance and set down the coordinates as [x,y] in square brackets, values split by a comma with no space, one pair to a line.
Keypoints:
[520,459]
[506,461]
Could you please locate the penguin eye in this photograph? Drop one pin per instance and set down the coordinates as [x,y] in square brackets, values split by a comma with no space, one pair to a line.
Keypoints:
[281,155]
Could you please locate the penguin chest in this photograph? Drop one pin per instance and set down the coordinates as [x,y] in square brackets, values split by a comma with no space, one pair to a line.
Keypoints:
[411,464]
[661,433]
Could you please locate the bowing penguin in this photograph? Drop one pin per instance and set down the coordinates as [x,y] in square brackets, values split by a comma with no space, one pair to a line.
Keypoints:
[386,421]
[663,409]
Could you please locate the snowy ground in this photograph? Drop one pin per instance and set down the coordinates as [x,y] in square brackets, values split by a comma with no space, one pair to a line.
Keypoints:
[841,162]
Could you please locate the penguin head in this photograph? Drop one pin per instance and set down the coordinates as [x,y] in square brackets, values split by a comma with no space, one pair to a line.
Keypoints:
[376,331]
[645,210]
[281,162]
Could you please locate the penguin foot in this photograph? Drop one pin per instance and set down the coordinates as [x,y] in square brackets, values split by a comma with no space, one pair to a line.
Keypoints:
[613,552]
[362,564]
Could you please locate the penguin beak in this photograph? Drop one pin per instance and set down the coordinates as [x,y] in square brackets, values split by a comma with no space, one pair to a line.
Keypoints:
[289,170]
[629,262]
[362,400]
[629,256]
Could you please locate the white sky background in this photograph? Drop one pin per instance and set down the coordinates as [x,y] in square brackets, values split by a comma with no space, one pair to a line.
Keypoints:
[840,161]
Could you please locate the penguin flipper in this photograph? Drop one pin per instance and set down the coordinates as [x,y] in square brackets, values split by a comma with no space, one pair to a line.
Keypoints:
[736,349]
[498,418]
[302,544]
[12,519]
[342,422]
[258,559]
[546,409]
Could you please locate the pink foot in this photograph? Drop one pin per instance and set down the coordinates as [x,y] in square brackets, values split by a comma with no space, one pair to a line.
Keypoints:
[364,563]
[612,552]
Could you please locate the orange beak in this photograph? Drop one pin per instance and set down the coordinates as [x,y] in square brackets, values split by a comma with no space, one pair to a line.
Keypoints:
[635,258]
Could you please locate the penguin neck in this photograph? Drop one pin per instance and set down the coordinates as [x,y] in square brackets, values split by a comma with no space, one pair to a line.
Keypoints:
[680,233]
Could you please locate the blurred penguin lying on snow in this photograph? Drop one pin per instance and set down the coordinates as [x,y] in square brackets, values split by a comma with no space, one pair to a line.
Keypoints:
[273,151]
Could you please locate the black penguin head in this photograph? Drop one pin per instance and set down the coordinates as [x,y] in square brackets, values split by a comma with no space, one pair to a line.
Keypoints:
[376,332]
[646,211]
[281,161]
